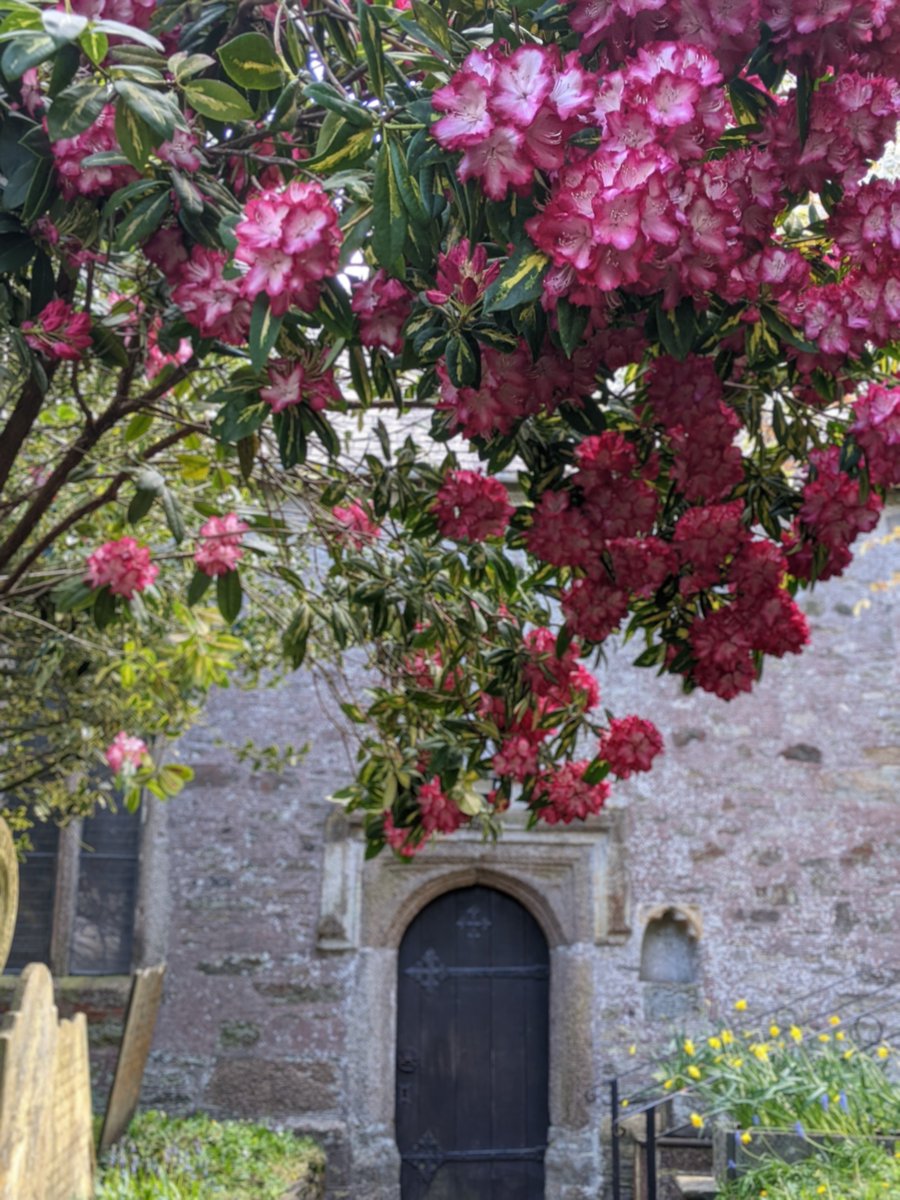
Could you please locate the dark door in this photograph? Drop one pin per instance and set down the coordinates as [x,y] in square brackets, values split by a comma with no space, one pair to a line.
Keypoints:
[472,1050]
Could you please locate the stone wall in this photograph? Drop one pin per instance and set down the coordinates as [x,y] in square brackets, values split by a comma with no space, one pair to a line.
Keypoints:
[771,828]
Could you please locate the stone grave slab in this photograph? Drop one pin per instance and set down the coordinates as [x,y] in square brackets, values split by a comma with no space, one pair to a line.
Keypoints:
[140,1021]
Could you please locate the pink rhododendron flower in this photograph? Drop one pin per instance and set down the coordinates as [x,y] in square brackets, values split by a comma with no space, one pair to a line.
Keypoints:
[126,751]
[630,744]
[470,506]
[382,305]
[440,814]
[58,332]
[358,526]
[561,795]
[463,275]
[123,566]
[877,431]
[399,838]
[220,548]
[212,303]
[69,154]
[181,151]
[289,238]
[128,12]
[157,358]
[300,381]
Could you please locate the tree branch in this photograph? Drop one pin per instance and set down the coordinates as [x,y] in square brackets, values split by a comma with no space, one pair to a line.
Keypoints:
[106,496]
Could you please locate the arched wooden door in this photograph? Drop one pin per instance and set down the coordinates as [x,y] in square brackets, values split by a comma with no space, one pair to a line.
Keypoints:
[472,1050]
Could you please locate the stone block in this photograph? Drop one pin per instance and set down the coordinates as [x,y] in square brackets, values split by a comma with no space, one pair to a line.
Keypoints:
[251,1087]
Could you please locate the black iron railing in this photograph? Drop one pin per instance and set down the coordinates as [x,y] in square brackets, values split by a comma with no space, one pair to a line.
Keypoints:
[870,1011]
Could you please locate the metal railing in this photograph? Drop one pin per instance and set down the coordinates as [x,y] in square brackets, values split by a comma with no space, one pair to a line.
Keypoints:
[870,1009]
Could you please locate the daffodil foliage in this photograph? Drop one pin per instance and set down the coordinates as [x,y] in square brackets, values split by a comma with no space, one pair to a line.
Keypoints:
[474,333]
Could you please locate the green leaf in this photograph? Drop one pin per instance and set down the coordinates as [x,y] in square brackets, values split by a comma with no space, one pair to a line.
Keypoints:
[463,361]
[408,186]
[240,416]
[198,587]
[250,60]
[784,331]
[16,252]
[141,503]
[104,608]
[804,100]
[189,196]
[65,68]
[135,137]
[63,26]
[389,228]
[370,36]
[329,97]
[158,110]
[229,595]
[571,319]
[677,328]
[95,45]
[217,100]
[172,778]
[143,219]
[75,109]
[520,280]
[138,425]
[173,514]
[27,51]
[183,66]
[40,191]
[131,32]
[288,426]
[432,21]
[296,635]
[264,330]
[343,152]
[71,595]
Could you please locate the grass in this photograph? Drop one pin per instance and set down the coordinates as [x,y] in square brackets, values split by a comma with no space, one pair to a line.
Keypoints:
[197,1158]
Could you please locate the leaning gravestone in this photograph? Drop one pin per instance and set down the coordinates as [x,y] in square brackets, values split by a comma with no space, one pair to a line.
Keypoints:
[46,1143]
[9,891]
[140,1021]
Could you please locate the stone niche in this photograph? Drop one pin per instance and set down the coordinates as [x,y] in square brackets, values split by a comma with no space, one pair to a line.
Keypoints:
[573,882]
[670,962]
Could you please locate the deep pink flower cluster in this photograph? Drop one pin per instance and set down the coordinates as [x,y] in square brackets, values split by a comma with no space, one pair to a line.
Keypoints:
[687,398]
[866,226]
[862,34]
[471,506]
[129,12]
[439,812]
[123,566]
[220,548]
[212,303]
[562,795]
[851,120]
[399,838]
[181,150]
[300,381]
[358,528]
[511,113]
[126,750]
[463,275]
[644,212]
[629,745]
[556,683]
[382,305]
[877,431]
[513,387]
[833,514]
[289,238]
[75,179]
[58,332]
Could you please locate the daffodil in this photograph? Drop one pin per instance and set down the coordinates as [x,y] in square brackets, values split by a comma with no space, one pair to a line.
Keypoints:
[774,1031]
[882,1051]
[727,1037]
[796,1033]
[761,1051]
[740,1005]
[694,1072]
[696,1120]
[715,1043]
[689,1047]
[824,1037]
[746,1137]
[632,1049]
[834,1020]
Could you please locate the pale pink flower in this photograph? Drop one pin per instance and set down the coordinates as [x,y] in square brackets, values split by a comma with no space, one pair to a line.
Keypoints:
[123,566]
[220,548]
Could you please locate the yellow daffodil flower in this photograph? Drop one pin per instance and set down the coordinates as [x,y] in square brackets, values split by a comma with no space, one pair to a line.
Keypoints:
[834,1020]
[796,1033]
[689,1047]
[774,1031]
[746,1137]
[882,1051]
[740,1005]
[694,1072]
[696,1120]
[715,1043]
[727,1037]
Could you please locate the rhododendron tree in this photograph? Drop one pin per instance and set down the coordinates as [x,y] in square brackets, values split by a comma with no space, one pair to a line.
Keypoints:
[628,263]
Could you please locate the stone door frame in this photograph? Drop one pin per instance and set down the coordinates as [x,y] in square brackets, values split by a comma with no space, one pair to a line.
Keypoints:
[572,880]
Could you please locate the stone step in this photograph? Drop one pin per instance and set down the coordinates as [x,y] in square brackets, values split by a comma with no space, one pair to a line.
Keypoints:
[697,1187]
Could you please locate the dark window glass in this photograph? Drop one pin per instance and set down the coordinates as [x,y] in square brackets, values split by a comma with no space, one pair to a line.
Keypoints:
[103,931]
[37,879]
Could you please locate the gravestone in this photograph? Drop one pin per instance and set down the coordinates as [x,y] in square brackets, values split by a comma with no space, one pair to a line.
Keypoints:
[9,891]
[140,1021]
[46,1145]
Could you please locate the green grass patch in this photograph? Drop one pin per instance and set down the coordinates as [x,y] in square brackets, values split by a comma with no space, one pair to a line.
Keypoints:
[197,1158]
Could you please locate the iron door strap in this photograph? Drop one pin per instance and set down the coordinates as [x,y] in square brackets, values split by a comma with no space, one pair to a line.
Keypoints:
[428,1156]
[430,972]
